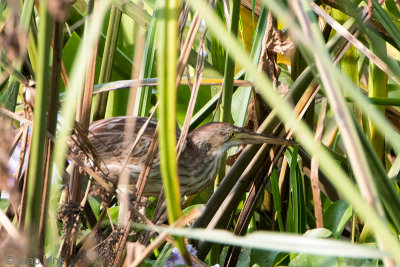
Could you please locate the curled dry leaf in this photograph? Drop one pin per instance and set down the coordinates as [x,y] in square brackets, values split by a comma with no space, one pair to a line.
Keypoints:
[267,58]
[279,42]
[275,41]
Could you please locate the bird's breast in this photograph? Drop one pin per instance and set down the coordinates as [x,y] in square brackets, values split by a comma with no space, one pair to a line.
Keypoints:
[197,174]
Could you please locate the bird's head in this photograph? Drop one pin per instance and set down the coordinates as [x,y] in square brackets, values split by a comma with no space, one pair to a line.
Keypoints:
[218,137]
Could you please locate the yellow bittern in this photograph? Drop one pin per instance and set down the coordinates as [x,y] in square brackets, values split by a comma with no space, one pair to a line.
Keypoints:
[198,162]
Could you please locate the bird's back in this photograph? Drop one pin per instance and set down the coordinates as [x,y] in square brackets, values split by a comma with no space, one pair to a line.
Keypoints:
[108,138]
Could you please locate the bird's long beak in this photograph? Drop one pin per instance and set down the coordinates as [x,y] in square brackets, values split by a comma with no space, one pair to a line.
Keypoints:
[255,138]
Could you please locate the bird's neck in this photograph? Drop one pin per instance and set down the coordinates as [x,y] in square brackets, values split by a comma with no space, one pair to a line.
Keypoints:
[202,148]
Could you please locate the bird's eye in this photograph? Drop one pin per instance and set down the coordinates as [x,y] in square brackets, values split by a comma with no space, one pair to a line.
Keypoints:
[232,134]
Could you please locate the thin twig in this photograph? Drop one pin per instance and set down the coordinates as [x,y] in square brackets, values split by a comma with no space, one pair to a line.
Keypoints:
[122,241]
[193,96]
[144,173]
[314,170]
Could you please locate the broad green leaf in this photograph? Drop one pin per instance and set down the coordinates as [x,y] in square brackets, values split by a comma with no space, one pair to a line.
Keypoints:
[262,258]
[313,260]
[113,211]
[183,98]
[336,217]
[4,204]
[243,260]
[314,233]
[318,233]
[70,51]
[95,205]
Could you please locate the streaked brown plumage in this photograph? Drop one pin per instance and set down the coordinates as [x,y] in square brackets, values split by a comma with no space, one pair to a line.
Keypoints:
[197,165]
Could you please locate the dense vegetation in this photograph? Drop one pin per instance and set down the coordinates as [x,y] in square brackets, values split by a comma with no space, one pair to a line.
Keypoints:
[325,74]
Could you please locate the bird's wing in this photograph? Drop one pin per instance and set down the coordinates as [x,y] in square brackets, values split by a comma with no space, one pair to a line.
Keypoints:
[108,138]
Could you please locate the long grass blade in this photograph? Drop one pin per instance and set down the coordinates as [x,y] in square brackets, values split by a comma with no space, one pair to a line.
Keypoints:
[36,162]
[168,55]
